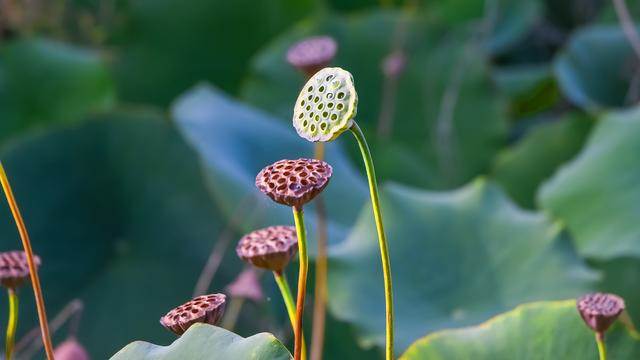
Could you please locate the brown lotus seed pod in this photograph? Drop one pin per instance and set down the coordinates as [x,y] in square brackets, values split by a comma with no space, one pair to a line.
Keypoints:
[600,310]
[326,105]
[14,268]
[70,349]
[294,182]
[206,309]
[312,54]
[247,286]
[270,248]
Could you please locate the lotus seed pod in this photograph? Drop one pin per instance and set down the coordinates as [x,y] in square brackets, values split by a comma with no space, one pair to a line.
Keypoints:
[312,54]
[600,310]
[247,286]
[326,105]
[270,248]
[206,309]
[70,349]
[294,182]
[14,268]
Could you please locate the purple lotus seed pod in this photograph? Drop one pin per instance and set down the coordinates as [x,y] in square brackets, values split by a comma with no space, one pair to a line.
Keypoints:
[206,309]
[14,268]
[270,248]
[247,286]
[294,182]
[393,65]
[70,349]
[600,310]
[312,54]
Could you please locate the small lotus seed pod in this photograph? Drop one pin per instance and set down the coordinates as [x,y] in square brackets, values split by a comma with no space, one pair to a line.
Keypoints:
[294,182]
[312,54]
[247,286]
[326,105]
[14,268]
[270,248]
[70,349]
[600,310]
[206,309]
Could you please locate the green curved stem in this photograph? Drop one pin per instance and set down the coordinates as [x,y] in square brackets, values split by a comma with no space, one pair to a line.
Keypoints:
[602,348]
[382,238]
[298,217]
[12,325]
[283,284]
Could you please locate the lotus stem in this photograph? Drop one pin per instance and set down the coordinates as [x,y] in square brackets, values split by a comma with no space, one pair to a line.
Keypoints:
[298,217]
[602,347]
[12,325]
[285,290]
[33,271]
[382,238]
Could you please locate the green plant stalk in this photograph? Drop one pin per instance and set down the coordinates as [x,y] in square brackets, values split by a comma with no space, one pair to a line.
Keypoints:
[33,271]
[12,325]
[602,348]
[298,217]
[320,294]
[285,290]
[232,313]
[382,238]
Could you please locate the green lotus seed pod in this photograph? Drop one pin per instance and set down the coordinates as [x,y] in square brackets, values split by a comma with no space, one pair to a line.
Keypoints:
[326,105]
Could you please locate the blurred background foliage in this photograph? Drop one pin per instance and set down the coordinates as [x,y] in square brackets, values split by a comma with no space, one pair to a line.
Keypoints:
[132,131]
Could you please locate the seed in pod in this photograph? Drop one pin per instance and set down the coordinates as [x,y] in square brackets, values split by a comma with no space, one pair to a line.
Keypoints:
[247,286]
[326,105]
[312,54]
[70,349]
[14,268]
[270,248]
[206,309]
[600,310]
[294,182]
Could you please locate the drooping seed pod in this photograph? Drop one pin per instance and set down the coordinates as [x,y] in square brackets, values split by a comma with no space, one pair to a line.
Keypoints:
[600,310]
[70,349]
[14,268]
[247,286]
[270,248]
[294,182]
[312,54]
[326,105]
[206,309]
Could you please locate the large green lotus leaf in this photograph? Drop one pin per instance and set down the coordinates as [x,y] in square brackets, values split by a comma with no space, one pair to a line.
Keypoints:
[117,208]
[596,67]
[165,46]
[44,82]
[530,88]
[457,259]
[536,331]
[206,342]
[235,142]
[597,195]
[523,167]
[471,119]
